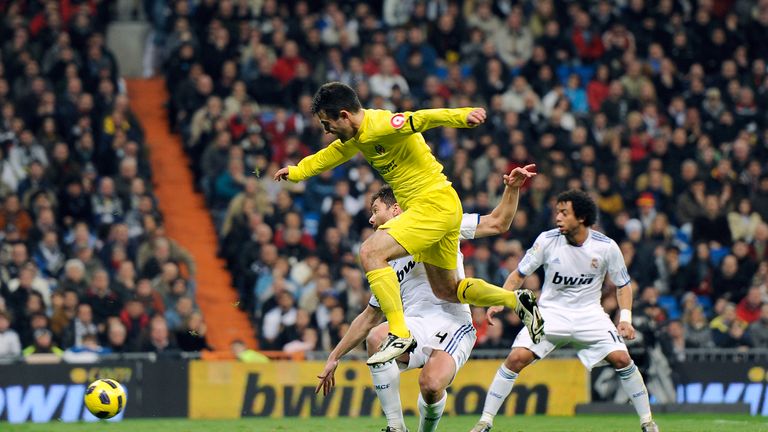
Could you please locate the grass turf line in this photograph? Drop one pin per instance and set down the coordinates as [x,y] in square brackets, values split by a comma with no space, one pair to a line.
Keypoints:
[606,423]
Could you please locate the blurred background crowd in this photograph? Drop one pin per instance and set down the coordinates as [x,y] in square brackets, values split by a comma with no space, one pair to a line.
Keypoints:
[85,266]
[657,108]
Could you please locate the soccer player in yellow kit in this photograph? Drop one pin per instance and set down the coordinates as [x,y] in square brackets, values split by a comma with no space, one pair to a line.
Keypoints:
[429,226]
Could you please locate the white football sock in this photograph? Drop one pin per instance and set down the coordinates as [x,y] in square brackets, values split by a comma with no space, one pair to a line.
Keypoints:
[633,384]
[430,414]
[498,392]
[386,382]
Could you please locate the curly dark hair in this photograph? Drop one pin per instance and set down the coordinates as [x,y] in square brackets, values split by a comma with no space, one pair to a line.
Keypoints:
[583,205]
[386,195]
[333,97]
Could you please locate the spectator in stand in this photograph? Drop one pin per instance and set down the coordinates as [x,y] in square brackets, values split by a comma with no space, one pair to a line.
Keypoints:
[10,345]
[159,339]
[246,355]
[697,330]
[192,336]
[743,222]
[749,308]
[758,330]
[43,344]
[116,339]
[103,301]
[135,320]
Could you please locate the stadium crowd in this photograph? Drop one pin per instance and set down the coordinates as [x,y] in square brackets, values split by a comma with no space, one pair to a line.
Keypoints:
[656,108]
[85,266]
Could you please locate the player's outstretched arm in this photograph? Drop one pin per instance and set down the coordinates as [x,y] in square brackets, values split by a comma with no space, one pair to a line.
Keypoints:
[500,219]
[422,120]
[328,158]
[357,332]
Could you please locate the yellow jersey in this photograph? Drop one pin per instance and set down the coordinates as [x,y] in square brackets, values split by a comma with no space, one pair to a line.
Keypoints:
[392,143]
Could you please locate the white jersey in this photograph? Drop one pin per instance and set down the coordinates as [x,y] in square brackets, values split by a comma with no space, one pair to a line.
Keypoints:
[573,275]
[418,299]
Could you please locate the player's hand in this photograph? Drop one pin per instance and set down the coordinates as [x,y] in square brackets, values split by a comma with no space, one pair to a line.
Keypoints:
[327,378]
[493,310]
[281,174]
[626,330]
[519,175]
[476,117]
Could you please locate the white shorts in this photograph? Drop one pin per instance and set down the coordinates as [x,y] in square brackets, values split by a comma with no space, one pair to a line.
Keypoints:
[440,332]
[592,333]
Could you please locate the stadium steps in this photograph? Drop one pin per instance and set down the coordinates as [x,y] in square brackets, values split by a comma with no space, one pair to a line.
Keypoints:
[187,220]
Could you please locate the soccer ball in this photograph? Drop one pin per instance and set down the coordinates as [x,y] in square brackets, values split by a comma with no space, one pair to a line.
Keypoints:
[105,398]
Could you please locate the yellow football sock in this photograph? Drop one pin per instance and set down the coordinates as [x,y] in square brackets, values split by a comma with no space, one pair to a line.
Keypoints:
[478,292]
[386,288]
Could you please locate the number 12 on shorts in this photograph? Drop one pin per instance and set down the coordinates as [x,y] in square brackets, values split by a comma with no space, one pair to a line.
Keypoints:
[616,336]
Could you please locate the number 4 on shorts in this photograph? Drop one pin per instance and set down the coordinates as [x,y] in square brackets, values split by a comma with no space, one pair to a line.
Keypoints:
[441,336]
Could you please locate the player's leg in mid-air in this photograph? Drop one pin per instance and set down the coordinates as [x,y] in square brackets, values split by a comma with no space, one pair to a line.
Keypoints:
[478,292]
[444,347]
[427,221]
[375,253]
[429,230]
[440,262]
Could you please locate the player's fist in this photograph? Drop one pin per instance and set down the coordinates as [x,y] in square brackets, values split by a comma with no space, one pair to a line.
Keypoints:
[476,117]
[519,175]
[281,174]
[626,330]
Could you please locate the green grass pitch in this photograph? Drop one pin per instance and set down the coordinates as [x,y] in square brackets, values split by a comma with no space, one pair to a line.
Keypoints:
[603,423]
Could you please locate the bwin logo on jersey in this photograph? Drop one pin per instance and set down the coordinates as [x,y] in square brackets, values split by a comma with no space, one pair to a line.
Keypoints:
[584,279]
[408,267]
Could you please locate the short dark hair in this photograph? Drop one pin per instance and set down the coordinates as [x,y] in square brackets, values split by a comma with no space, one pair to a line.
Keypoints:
[583,205]
[333,97]
[386,195]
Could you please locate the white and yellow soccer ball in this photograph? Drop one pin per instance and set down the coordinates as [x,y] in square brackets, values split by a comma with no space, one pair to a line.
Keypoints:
[105,398]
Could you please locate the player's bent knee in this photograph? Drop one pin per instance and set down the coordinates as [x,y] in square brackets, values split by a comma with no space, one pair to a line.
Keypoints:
[432,387]
[619,359]
[518,359]
[375,336]
[369,255]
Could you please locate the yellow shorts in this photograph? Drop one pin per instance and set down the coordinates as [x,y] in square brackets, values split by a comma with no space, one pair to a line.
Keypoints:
[429,228]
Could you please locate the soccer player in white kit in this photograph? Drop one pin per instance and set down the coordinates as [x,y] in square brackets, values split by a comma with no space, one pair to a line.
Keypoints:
[443,330]
[576,260]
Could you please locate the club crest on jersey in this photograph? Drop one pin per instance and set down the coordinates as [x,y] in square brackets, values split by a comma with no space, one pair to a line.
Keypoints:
[397,121]
[594,263]
[535,248]
[379,149]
